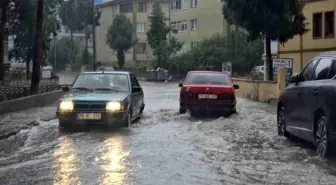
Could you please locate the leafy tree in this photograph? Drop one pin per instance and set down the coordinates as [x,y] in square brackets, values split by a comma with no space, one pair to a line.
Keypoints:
[77,16]
[274,20]
[24,29]
[157,38]
[62,52]
[214,50]
[70,17]
[85,12]
[119,37]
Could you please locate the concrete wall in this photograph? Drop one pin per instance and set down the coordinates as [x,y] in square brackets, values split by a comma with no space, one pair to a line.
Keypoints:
[24,103]
[264,91]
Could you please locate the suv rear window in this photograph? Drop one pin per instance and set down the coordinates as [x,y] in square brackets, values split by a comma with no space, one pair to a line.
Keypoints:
[208,78]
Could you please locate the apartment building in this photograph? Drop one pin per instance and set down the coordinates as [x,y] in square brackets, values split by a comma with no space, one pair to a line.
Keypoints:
[320,15]
[196,19]
[109,9]
[193,19]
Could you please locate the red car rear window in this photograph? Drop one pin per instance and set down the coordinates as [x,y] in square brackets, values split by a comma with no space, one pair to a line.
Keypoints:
[208,78]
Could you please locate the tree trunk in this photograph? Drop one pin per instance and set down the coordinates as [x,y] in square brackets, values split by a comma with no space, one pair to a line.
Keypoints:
[38,52]
[121,58]
[269,67]
[3,7]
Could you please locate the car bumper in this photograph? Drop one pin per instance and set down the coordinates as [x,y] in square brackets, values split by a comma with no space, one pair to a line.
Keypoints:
[213,106]
[107,118]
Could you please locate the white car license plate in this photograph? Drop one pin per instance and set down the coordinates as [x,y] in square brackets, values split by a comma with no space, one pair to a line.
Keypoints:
[89,116]
[207,96]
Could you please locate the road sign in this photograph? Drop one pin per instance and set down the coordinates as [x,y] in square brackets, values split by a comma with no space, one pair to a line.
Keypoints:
[286,63]
[282,63]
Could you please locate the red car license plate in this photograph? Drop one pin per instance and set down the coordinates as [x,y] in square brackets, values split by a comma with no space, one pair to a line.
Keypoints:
[207,96]
[89,116]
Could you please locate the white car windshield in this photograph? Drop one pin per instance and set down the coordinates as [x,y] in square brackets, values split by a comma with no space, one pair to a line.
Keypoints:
[106,81]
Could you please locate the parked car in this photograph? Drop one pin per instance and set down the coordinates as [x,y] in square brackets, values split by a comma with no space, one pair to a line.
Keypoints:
[105,68]
[258,69]
[207,91]
[306,107]
[110,98]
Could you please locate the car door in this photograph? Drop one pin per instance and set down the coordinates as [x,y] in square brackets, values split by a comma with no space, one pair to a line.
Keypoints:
[294,112]
[309,96]
[137,96]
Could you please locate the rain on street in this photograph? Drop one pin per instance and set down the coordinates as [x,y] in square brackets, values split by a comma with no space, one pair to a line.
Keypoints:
[165,148]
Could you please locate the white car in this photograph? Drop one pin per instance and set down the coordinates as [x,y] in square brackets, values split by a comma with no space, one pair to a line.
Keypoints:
[259,69]
[105,68]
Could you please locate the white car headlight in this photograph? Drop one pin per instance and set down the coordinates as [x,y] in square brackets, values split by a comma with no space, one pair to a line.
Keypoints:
[66,105]
[114,106]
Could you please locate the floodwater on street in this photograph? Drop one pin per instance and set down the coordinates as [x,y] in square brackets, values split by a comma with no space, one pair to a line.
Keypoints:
[165,148]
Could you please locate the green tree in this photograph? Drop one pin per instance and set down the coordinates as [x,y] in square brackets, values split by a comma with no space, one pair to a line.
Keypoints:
[157,37]
[77,15]
[85,12]
[119,37]
[24,29]
[71,18]
[274,20]
[62,52]
[217,48]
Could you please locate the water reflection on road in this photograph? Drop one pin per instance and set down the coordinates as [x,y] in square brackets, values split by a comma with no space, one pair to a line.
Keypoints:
[112,161]
[65,163]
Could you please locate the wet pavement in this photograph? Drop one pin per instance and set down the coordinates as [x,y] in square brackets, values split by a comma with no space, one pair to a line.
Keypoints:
[164,148]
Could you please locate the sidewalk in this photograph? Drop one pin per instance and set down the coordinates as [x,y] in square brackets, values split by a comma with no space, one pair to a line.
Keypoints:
[12,123]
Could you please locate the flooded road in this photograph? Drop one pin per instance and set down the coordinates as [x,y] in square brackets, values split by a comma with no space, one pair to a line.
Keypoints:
[164,148]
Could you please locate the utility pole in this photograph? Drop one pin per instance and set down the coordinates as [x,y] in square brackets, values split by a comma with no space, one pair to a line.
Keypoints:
[55,53]
[93,36]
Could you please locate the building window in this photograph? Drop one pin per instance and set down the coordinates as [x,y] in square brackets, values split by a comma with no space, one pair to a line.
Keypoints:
[193,24]
[194,44]
[142,7]
[141,48]
[193,4]
[180,26]
[183,49]
[141,27]
[317,25]
[329,25]
[125,8]
[114,10]
[178,4]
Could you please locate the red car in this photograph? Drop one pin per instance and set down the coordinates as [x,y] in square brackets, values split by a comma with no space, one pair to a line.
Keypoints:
[208,91]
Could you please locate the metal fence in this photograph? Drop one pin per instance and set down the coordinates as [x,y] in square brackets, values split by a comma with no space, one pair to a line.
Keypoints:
[20,88]
[154,75]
